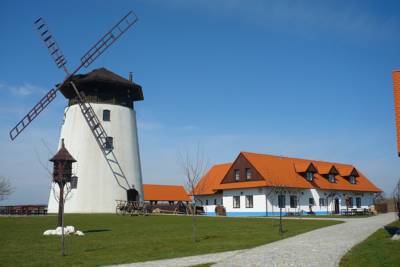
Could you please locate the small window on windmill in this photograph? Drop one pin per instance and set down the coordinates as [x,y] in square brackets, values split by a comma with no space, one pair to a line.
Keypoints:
[74,182]
[106,115]
[109,143]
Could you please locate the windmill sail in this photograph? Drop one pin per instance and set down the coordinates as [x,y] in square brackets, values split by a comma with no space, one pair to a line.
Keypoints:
[33,113]
[109,38]
[51,44]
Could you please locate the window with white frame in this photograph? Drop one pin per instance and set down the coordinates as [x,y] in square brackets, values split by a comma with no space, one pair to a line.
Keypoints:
[309,176]
[322,202]
[206,201]
[331,178]
[281,201]
[311,201]
[237,174]
[293,202]
[249,201]
[215,201]
[248,173]
[236,202]
[352,179]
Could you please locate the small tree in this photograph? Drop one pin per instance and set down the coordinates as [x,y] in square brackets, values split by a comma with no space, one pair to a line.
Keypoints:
[193,168]
[278,188]
[6,188]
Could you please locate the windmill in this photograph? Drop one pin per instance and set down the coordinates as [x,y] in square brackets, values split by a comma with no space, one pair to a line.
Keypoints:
[90,95]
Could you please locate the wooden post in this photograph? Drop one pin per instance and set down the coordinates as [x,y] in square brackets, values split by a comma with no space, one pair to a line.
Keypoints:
[60,203]
[61,215]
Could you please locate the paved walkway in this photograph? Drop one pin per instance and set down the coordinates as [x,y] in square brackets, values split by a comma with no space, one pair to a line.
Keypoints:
[321,247]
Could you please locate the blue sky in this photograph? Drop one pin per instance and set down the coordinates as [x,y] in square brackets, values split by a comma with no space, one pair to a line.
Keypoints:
[305,79]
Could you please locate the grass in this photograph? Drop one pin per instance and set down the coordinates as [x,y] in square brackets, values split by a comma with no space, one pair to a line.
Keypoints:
[376,250]
[112,239]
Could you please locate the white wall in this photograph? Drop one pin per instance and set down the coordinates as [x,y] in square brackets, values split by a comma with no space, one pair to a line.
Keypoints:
[97,189]
[258,201]
[265,200]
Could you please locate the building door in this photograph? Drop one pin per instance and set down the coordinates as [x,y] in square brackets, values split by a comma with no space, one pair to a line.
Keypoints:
[336,206]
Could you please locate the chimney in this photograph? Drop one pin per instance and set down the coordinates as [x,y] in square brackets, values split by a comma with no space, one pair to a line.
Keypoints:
[396,92]
[130,77]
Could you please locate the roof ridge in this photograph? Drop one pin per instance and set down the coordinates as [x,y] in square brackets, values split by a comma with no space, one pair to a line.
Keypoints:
[297,158]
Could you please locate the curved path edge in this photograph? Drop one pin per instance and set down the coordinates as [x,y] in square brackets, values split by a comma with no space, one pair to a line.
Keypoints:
[321,247]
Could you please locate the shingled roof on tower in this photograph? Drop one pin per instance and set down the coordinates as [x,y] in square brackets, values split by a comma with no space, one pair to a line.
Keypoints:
[103,80]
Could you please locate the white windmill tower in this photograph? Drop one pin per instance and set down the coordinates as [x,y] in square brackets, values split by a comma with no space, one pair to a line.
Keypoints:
[99,127]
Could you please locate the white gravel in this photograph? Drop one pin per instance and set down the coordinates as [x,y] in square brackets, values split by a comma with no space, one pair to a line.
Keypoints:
[321,247]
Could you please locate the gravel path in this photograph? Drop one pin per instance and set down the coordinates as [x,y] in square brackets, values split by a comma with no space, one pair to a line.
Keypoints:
[321,247]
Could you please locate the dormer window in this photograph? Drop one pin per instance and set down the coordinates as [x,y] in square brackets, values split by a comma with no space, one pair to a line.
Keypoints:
[248,173]
[237,174]
[331,178]
[309,176]
[352,179]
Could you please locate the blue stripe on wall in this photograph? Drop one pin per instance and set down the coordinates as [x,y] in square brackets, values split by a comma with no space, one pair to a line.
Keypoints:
[250,213]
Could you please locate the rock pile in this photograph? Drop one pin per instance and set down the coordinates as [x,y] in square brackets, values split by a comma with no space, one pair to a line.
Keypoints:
[67,231]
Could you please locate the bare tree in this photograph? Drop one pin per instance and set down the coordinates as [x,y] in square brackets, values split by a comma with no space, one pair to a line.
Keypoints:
[6,188]
[279,188]
[396,198]
[193,167]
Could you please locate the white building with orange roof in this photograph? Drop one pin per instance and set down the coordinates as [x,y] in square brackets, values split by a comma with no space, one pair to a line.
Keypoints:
[265,185]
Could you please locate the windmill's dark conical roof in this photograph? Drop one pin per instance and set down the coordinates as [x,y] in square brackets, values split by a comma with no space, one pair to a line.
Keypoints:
[62,154]
[101,79]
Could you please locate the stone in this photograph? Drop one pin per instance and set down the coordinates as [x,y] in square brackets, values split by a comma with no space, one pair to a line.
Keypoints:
[396,237]
[67,230]
[80,233]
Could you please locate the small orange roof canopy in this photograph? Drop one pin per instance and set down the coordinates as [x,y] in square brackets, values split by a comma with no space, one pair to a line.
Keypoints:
[157,192]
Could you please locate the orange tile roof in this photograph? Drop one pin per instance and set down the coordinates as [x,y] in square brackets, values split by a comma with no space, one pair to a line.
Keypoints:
[284,171]
[325,167]
[157,192]
[245,184]
[209,182]
[396,92]
[301,167]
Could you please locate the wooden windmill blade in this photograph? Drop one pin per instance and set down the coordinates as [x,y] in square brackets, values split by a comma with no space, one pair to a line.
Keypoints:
[51,44]
[109,38]
[58,57]
[33,113]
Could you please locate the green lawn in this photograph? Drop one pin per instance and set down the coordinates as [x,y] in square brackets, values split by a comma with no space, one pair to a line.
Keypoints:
[377,250]
[112,239]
